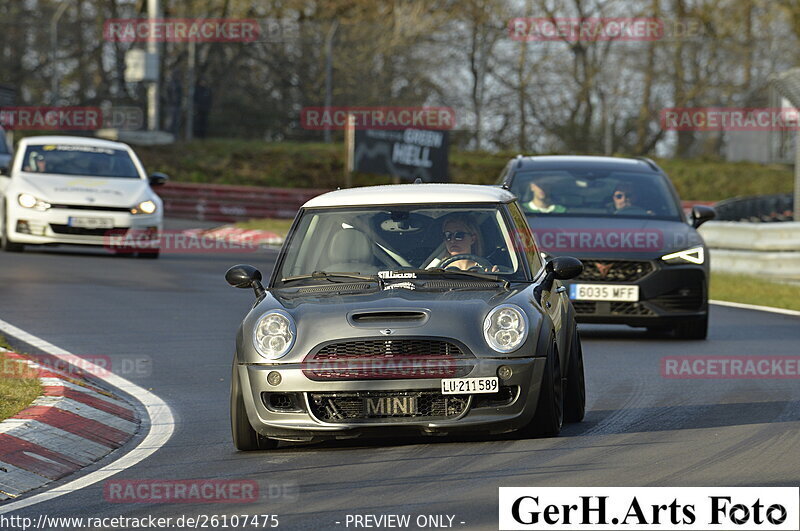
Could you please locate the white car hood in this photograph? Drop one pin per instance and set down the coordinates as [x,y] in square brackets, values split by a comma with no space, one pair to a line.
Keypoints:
[76,190]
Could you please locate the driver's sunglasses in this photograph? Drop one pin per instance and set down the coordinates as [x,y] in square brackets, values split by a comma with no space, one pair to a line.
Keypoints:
[457,236]
[621,195]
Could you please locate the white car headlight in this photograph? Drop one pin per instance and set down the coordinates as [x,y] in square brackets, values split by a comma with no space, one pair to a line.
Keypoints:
[695,255]
[274,334]
[29,201]
[505,328]
[145,207]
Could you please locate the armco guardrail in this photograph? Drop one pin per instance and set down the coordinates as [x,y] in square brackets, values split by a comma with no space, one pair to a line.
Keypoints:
[218,202]
[765,249]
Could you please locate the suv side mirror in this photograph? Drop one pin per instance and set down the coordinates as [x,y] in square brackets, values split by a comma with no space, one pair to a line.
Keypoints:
[245,276]
[158,178]
[701,214]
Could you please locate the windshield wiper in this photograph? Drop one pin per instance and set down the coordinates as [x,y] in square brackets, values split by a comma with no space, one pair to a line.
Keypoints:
[330,275]
[456,272]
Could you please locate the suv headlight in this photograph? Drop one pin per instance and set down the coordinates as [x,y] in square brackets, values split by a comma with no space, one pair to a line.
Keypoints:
[505,328]
[274,334]
[695,255]
[29,201]
[145,207]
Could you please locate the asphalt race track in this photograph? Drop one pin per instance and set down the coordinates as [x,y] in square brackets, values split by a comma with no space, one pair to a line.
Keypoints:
[177,316]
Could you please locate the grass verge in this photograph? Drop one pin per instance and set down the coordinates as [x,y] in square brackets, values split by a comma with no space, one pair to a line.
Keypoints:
[754,290]
[18,387]
[278,226]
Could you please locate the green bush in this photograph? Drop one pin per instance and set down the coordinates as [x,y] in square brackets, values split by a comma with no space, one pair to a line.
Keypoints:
[318,165]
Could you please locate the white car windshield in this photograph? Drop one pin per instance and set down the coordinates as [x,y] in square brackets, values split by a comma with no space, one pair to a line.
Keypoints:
[86,161]
[369,240]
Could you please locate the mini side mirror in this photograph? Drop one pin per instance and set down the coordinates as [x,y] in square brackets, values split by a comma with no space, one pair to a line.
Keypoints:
[701,214]
[158,179]
[564,267]
[245,276]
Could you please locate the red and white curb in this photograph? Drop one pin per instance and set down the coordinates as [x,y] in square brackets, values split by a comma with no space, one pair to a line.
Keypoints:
[237,235]
[67,428]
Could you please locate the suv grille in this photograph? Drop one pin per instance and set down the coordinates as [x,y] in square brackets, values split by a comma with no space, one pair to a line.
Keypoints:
[611,308]
[614,270]
[382,406]
[682,299]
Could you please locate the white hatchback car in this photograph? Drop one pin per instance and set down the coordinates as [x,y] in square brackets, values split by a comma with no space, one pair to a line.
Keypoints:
[79,191]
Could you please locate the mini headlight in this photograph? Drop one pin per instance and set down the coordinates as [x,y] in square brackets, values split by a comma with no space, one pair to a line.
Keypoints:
[274,334]
[505,328]
[145,207]
[695,255]
[29,201]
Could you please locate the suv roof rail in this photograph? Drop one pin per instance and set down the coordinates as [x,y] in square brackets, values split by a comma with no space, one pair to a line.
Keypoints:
[649,162]
[506,184]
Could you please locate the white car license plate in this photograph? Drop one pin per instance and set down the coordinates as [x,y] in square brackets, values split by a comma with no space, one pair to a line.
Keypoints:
[603,292]
[470,386]
[91,223]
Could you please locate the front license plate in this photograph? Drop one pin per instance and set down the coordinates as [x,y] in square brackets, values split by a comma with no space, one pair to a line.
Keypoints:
[603,292]
[470,386]
[91,223]
[391,406]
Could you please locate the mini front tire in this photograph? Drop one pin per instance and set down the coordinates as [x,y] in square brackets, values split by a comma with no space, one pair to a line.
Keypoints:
[245,438]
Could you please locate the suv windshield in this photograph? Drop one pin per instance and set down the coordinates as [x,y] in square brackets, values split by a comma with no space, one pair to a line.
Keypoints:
[86,161]
[595,193]
[369,240]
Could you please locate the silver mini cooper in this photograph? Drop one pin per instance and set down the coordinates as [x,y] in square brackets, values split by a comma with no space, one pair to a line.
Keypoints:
[407,309]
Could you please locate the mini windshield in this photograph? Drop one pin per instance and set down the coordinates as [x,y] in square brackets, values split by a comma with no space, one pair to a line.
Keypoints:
[86,161]
[372,240]
[595,193]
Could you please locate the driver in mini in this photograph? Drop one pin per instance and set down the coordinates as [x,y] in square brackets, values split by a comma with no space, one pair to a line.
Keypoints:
[462,237]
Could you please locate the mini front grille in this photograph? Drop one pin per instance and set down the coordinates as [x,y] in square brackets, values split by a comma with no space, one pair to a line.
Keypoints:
[614,270]
[388,359]
[79,231]
[386,406]
[388,348]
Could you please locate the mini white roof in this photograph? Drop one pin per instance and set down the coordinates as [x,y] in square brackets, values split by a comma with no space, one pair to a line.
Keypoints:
[71,140]
[424,193]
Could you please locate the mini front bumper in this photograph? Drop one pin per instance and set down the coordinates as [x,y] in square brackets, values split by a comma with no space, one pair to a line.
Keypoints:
[29,226]
[303,425]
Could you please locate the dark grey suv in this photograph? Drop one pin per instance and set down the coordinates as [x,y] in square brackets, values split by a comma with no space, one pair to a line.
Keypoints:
[645,264]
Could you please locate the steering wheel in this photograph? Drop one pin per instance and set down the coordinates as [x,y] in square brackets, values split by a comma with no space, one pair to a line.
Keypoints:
[484,263]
